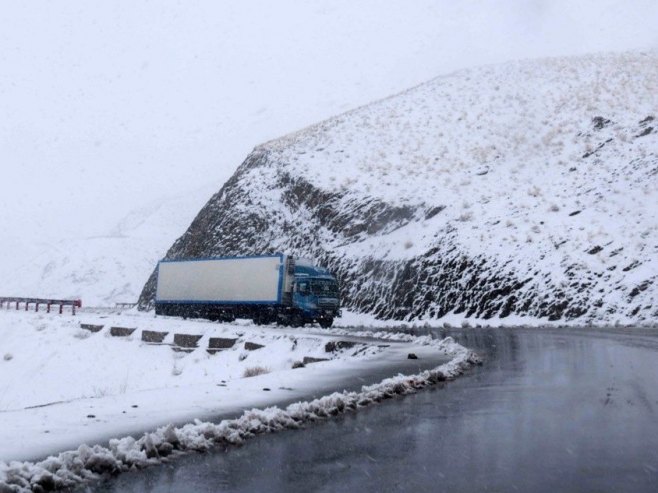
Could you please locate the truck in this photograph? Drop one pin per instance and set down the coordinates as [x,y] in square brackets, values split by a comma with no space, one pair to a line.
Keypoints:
[265,288]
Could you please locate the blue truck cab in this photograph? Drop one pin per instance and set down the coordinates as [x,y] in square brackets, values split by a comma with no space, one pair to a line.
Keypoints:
[315,295]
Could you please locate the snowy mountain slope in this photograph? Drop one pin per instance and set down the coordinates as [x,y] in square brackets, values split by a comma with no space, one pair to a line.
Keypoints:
[105,109]
[102,270]
[99,102]
[526,188]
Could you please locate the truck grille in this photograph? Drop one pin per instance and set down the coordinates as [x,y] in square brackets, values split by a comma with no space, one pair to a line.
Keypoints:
[328,303]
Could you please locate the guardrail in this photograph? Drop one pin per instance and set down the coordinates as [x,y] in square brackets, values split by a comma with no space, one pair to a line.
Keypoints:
[125,305]
[40,301]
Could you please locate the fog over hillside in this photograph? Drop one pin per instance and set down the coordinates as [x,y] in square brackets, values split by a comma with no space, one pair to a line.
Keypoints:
[528,189]
[107,110]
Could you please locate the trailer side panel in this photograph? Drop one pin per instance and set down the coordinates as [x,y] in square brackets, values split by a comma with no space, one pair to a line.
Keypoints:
[226,281]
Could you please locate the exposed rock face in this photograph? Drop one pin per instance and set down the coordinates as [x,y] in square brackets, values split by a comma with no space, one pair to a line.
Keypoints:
[526,189]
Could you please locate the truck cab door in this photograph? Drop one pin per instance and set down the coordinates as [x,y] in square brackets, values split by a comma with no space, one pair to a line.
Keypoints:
[301,294]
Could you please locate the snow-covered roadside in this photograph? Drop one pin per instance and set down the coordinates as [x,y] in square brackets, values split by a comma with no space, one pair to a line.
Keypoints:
[58,361]
[61,385]
[365,324]
[76,466]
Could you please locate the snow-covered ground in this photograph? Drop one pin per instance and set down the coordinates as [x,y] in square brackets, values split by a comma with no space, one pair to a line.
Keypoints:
[86,463]
[62,385]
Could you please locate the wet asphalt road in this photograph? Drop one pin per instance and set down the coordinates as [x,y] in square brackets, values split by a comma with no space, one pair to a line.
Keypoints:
[550,410]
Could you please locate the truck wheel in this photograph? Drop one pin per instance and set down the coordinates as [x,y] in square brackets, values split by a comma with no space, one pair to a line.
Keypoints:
[297,320]
[325,323]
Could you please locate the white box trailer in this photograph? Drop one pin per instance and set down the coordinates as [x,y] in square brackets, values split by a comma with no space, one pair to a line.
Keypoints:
[224,280]
[258,287]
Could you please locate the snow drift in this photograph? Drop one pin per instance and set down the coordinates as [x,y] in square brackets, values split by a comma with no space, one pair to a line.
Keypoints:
[527,188]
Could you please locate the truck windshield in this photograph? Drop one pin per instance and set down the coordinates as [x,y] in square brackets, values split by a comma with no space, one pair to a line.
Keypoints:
[324,287]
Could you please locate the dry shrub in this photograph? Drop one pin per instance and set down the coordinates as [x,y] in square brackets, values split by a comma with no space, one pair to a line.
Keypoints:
[254,371]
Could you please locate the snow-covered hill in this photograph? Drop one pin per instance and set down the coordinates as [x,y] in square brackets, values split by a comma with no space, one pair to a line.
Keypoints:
[101,270]
[104,110]
[527,188]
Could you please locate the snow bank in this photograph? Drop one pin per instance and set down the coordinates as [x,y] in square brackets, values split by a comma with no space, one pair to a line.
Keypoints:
[46,350]
[395,329]
[74,467]
[62,385]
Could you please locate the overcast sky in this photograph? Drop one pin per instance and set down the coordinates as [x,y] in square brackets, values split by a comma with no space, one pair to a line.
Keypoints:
[106,106]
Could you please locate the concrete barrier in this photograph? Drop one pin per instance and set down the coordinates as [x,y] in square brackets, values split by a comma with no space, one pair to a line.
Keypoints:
[332,346]
[186,342]
[216,344]
[252,346]
[153,336]
[121,331]
[92,327]
[309,359]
